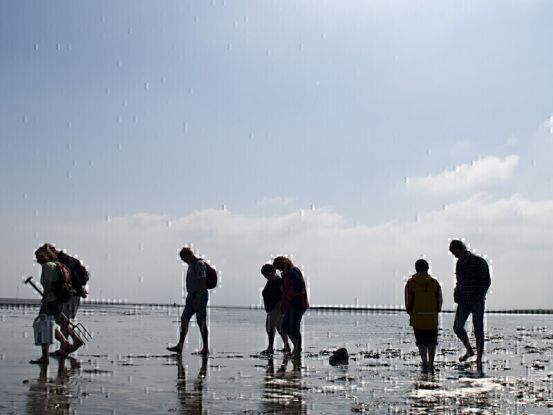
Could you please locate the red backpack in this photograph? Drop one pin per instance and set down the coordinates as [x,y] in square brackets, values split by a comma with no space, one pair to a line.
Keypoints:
[62,286]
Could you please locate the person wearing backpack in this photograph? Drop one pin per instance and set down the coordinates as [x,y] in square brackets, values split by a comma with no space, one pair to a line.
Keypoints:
[473,280]
[50,307]
[79,278]
[423,302]
[197,296]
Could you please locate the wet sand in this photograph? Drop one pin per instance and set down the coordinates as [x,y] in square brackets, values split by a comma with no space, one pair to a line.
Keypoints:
[126,370]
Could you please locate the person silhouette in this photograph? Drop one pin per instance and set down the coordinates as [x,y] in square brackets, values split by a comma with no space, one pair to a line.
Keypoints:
[472,282]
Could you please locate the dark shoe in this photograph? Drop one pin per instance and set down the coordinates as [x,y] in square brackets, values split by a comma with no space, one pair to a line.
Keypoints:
[57,353]
[266,352]
[466,356]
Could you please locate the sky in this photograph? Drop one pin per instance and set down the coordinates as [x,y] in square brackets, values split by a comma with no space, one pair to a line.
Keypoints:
[353,136]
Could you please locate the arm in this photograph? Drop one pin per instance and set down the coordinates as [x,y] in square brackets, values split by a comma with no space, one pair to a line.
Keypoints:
[485,275]
[439,296]
[408,299]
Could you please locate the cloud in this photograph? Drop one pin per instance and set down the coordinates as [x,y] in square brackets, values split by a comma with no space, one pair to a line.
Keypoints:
[135,257]
[467,176]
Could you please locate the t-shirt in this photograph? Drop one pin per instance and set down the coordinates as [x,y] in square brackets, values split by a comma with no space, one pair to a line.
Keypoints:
[272,293]
[196,272]
[473,279]
[48,277]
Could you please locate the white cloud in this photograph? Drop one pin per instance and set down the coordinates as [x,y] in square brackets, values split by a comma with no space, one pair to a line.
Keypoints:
[135,257]
[467,176]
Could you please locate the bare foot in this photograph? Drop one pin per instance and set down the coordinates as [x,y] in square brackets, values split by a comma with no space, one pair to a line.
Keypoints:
[42,361]
[176,349]
[466,356]
[266,352]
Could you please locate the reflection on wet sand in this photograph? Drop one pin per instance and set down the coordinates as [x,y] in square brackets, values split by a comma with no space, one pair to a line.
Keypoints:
[434,395]
[283,391]
[52,396]
[191,400]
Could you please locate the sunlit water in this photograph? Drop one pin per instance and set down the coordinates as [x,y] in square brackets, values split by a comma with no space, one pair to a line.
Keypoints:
[125,369]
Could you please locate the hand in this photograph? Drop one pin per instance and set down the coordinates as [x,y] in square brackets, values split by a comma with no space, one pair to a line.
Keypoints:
[456,295]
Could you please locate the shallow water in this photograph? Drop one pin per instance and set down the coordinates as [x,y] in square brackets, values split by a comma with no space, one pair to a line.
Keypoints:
[125,369]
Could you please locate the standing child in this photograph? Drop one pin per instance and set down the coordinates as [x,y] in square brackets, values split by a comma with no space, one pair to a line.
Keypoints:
[423,302]
[272,296]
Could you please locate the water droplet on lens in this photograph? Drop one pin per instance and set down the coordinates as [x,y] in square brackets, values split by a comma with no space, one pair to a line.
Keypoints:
[108,219]
[36,46]
[146,85]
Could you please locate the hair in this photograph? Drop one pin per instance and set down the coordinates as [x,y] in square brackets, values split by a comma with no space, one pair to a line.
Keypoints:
[50,247]
[280,261]
[268,269]
[49,254]
[457,245]
[421,265]
[186,251]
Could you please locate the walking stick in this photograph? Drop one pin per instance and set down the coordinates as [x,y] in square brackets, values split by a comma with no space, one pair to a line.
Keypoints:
[79,329]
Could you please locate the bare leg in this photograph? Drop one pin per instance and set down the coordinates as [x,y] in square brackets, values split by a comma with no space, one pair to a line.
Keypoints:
[296,341]
[479,354]
[44,359]
[182,338]
[205,337]
[423,351]
[269,328]
[285,341]
[431,355]
[469,352]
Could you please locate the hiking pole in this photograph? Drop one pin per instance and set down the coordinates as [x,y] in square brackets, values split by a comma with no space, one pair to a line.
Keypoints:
[79,328]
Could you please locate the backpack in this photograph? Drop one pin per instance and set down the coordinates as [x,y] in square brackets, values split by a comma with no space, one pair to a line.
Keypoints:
[79,273]
[210,276]
[62,286]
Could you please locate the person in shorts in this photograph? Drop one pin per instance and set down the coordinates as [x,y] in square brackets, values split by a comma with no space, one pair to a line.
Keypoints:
[294,301]
[196,300]
[50,305]
[423,302]
[272,296]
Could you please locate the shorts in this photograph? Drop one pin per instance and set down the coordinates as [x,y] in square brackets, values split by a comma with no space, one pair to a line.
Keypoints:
[70,307]
[426,337]
[291,322]
[189,310]
[274,320]
[51,308]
